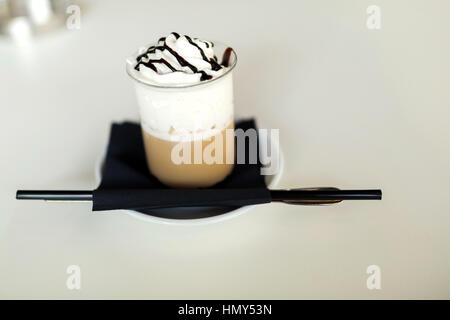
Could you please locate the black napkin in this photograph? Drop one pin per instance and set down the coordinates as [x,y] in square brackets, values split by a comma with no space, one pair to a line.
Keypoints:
[128,184]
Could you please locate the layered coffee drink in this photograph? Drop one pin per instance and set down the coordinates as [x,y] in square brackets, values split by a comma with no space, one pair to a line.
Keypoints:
[184,89]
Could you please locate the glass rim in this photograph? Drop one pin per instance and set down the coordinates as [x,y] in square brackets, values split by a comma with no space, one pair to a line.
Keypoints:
[131,73]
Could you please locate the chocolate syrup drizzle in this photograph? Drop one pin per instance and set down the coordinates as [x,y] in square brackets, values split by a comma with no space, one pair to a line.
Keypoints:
[226,57]
[215,66]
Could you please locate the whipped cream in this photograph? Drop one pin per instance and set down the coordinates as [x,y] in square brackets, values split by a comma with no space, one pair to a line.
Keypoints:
[176,95]
[179,60]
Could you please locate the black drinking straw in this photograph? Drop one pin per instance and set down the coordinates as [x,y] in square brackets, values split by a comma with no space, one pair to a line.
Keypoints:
[293,196]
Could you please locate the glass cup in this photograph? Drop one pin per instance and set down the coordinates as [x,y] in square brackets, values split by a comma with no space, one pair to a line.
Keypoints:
[188,130]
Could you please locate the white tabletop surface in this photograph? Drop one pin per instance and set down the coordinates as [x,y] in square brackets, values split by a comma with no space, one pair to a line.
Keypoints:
[356,108]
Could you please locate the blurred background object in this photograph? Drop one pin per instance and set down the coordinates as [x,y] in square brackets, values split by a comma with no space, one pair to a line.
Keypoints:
[21,20]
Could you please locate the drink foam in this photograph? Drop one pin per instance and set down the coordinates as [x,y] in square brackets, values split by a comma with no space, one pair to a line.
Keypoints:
[182,90]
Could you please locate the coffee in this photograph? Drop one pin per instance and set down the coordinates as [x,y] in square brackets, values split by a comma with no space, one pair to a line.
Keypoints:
[184,91]
[191,163]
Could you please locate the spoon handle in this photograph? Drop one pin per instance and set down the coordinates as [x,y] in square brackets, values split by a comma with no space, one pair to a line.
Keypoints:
[325,195]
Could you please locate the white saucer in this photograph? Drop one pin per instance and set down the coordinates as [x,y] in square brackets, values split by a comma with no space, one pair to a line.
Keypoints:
[194,215]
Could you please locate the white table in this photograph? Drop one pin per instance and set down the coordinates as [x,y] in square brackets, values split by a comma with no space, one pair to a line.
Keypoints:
[356,108]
